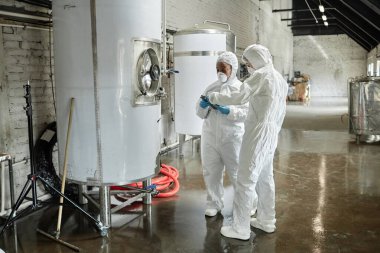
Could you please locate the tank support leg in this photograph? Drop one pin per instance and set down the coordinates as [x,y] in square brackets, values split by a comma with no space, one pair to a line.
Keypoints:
[147,199]
[358,139]
[105,206]
[181,138]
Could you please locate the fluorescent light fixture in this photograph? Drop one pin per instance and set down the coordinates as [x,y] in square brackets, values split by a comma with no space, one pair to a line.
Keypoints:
[321,8]
[326,23]
[324,18]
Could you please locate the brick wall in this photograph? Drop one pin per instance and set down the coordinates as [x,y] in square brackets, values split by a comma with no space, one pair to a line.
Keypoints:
[24,55]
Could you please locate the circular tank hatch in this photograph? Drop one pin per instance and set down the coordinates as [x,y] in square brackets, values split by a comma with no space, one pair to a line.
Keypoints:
[148,72]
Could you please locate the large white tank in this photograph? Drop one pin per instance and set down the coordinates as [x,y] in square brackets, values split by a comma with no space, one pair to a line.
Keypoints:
[107,56]
[195,53]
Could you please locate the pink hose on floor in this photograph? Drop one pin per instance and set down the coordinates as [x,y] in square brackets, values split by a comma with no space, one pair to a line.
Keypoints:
[166,183]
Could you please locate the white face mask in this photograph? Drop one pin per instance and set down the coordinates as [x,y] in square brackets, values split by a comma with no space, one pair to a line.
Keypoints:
[251,70]
[222,77]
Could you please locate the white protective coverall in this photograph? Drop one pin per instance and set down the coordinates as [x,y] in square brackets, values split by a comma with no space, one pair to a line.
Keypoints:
[266,92]
[221,136]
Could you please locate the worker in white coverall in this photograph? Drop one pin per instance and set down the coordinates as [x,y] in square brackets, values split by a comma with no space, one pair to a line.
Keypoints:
[222,133]
[266,92]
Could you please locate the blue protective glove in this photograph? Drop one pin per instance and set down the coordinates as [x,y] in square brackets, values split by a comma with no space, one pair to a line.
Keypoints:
[224,109]
[203,104]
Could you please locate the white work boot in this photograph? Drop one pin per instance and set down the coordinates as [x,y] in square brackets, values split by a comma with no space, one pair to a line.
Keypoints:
[266,228]
[228,231]
[211,212]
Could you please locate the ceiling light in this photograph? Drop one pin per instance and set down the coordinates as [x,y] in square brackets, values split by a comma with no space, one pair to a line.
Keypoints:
[324,18]
[321,8]
[326,23]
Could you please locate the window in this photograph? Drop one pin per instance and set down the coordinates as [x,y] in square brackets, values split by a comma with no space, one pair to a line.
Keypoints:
[378,68]
[370,69]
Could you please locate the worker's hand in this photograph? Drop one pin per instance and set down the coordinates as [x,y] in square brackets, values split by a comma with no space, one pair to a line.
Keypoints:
[204,104]
[224,109]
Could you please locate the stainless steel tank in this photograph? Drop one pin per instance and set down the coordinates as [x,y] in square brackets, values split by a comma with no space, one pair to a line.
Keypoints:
[195,52]
[364,107]
[107,56]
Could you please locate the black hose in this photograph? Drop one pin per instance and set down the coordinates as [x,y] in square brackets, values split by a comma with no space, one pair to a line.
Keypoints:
[43,152]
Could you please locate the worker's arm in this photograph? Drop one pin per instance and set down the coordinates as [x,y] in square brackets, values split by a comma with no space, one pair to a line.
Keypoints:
[201,112]
[249,87]
[238,97]
[238,112]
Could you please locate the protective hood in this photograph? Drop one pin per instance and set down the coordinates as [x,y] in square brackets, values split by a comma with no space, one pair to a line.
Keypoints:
[257,55]
[231,59]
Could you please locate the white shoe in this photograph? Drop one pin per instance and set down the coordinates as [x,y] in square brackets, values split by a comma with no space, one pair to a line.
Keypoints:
[253,211]
[266,228]
[228,231]
[211,212]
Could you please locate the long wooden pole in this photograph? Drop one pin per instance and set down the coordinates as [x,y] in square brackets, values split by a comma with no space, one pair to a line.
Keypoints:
[64,169]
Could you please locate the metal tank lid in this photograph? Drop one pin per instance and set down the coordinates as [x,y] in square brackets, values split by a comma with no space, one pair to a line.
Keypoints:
[364,79]
[208,26]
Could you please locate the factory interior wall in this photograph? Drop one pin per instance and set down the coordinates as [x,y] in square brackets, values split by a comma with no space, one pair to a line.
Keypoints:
[276,35]
[330,60]
[25,55]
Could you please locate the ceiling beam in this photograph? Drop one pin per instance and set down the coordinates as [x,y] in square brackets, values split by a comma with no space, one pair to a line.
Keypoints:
[310,25]
[372,6]
[368,15]
[297,10]
[342,16]
[306,19]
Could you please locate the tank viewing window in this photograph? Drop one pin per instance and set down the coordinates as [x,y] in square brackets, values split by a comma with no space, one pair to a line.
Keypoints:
[148,72]
[146,59]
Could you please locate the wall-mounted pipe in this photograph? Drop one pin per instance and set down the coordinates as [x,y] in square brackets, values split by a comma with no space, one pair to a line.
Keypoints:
[22,15]
[164,37]
[27,27]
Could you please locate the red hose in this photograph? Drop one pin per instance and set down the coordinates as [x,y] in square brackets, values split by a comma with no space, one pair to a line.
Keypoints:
[166,182]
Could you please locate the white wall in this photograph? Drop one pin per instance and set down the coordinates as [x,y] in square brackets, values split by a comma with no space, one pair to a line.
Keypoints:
[330,61]
[274,34]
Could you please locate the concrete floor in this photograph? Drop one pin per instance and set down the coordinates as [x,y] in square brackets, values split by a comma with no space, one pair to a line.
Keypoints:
[328,200]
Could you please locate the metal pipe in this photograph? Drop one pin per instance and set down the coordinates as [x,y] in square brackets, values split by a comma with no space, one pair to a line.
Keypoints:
[21,15]
[26,27]
[94,42]
[312,13]
[128,202]
[164,37]
[89,198]
[169,148]
[11,182]
[298,10]
[2,182]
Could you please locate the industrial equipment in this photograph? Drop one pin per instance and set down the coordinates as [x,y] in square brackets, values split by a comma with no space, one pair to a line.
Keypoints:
[195,52]
[107,57]
[364,107]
